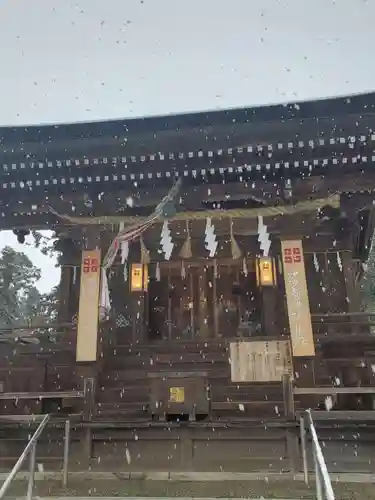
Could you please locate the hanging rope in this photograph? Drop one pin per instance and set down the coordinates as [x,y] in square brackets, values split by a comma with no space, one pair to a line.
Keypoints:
[303,206]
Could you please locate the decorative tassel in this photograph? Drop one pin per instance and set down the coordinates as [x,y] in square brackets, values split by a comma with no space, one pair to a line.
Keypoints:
[183,270]
[185,252]
[74,275]
[316,262]
[236,251]
[339,261]
[244,267]
[125,272]
[157,272]
[145,254]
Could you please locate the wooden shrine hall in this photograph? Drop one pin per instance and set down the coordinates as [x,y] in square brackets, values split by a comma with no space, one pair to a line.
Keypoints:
[210,271]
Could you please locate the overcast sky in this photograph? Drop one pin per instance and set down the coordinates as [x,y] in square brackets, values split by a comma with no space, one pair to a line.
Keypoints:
[66,61]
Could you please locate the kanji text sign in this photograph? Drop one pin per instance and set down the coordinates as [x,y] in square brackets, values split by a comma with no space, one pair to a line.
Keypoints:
[90,265]
[88,315]
[297,298]
[292,255]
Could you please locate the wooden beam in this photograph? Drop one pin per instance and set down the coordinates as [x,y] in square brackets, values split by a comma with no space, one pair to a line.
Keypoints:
[41,395]
[324,391]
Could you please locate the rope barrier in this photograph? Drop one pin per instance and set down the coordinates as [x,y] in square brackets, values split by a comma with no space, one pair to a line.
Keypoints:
[304,206]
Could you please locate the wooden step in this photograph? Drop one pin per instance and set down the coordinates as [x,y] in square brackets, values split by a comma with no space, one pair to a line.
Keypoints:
[123,394]
[122,411]
[166,348]
[109,375]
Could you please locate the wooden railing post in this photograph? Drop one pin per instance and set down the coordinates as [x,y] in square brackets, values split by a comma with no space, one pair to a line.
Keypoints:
[88,412]
[288,397]
[291,432]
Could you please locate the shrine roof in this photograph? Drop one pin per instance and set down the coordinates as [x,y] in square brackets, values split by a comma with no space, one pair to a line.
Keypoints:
[192,131]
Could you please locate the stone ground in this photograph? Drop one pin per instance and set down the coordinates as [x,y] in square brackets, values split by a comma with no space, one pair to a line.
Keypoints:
[208,489]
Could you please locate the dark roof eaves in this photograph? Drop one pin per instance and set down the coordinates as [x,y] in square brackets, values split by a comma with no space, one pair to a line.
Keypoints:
[321,108]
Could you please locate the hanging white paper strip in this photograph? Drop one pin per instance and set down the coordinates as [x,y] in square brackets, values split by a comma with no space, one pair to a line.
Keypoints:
[210,238]
[105,302]
[166,241]
[124,250]
[263,237]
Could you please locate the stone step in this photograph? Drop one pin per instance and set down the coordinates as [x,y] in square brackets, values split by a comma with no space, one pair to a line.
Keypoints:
[204,486]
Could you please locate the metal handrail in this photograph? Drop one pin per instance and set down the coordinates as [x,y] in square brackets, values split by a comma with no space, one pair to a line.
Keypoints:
[324,490]
[30,449]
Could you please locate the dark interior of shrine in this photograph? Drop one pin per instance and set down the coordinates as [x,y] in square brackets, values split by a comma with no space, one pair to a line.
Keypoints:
[189,316]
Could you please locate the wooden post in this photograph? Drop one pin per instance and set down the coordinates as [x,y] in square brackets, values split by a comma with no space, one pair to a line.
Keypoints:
[89,384]
[352,296]
[297,298]
[169,318]
[192,301]
[288,397]
[88,316]
[68,286]
[203,309]
[214,301]
[269,311]
[138,302]
[291,433]
[88,329]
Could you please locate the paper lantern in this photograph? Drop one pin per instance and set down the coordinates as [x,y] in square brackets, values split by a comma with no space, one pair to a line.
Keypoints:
[139,278]
[266,272]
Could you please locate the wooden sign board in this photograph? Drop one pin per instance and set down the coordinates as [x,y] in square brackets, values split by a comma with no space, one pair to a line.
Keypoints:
[177,394]
[297,298]
[88,315]
[260,361]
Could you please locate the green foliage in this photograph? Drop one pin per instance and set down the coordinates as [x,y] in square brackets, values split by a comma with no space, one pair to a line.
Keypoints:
[20,301]
[44,243]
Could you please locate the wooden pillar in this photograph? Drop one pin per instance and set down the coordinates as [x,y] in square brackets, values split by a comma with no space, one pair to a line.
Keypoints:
[67,306]
[203,306]
[297,298]
[291,432]
[88,314]
[64,294]
[352,295]
[138,316]
[88,329]
[214,301]
[269,311]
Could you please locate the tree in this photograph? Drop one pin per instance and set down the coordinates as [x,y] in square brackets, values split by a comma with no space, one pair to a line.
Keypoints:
[20,301]
[48,305]
[18,277]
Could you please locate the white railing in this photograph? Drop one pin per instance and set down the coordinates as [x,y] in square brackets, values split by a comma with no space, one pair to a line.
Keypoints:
[324,490]
[30,450]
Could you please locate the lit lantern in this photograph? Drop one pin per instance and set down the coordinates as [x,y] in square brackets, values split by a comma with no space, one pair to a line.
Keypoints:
[139,278]
[266,272]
